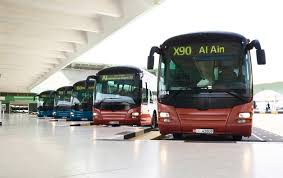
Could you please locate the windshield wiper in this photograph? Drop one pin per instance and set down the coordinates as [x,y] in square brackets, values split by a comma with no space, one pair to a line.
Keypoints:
[230,92]
[101,101]
[206,89]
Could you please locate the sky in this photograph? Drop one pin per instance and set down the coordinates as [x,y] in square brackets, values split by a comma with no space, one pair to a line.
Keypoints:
[253,19]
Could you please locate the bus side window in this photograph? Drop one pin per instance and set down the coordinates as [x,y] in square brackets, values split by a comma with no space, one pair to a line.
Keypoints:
[144,96]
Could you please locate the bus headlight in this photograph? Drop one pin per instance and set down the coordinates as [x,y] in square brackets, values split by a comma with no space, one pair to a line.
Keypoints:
[54,113]
[165,116]
[244,115]
[135,115]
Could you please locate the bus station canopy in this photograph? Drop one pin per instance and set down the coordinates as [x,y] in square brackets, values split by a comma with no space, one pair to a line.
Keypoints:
[38,38]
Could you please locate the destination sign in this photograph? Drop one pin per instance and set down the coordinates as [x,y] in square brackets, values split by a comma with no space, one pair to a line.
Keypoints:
[79,88]
[197,49]
[44,95]
[117,77]
[61,92]
[91,87]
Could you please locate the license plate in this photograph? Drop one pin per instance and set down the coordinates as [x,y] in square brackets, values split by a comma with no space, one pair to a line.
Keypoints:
[84,119]
[114,122]
[203,131]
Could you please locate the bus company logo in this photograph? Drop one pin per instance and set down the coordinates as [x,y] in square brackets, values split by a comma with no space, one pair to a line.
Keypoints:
[90,87]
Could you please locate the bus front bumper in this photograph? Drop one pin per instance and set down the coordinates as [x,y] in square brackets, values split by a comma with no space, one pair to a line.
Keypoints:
[129,121]
[233,129]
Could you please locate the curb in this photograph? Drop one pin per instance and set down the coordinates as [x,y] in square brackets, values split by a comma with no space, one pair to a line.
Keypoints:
[128,134]
[42,118]
[51,120]
[269,112]
[82,124]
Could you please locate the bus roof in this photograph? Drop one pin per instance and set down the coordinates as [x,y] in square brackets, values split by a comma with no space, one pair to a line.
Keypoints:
[120,70]
[81,82]
[47,92]
[206,36]
[65,88]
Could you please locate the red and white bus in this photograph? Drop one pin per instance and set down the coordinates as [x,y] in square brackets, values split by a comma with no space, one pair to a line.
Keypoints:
[125,96]
[205,84]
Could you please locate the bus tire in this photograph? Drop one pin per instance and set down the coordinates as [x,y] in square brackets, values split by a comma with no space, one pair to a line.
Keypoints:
[177,136]
[237,137]
[154,120]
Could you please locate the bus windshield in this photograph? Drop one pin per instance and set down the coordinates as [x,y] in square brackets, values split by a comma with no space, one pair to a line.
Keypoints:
[123,88]
[63,98]
[82,98]
[46,101]
[206,67]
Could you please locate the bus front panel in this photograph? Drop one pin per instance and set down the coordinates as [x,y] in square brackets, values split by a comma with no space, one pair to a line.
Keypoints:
[205,86]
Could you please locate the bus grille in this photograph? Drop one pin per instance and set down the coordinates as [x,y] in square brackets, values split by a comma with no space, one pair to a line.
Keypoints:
[117,115]
[205,118]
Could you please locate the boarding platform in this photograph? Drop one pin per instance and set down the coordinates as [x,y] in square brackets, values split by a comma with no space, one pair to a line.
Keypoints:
[104,151]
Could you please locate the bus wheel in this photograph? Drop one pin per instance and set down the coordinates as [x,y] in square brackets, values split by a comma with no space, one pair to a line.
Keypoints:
[237,137]
[177,136]
[154,120]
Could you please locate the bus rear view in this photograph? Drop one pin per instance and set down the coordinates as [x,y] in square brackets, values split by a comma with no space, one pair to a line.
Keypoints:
[205,84]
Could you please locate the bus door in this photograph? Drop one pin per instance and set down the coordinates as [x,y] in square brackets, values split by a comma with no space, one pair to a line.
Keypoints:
[146,107]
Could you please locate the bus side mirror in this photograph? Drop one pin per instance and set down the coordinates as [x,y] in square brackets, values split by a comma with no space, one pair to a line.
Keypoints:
[260,55]
[94,79]
[91,78]
[150,59]
[76,107]
[150,62]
